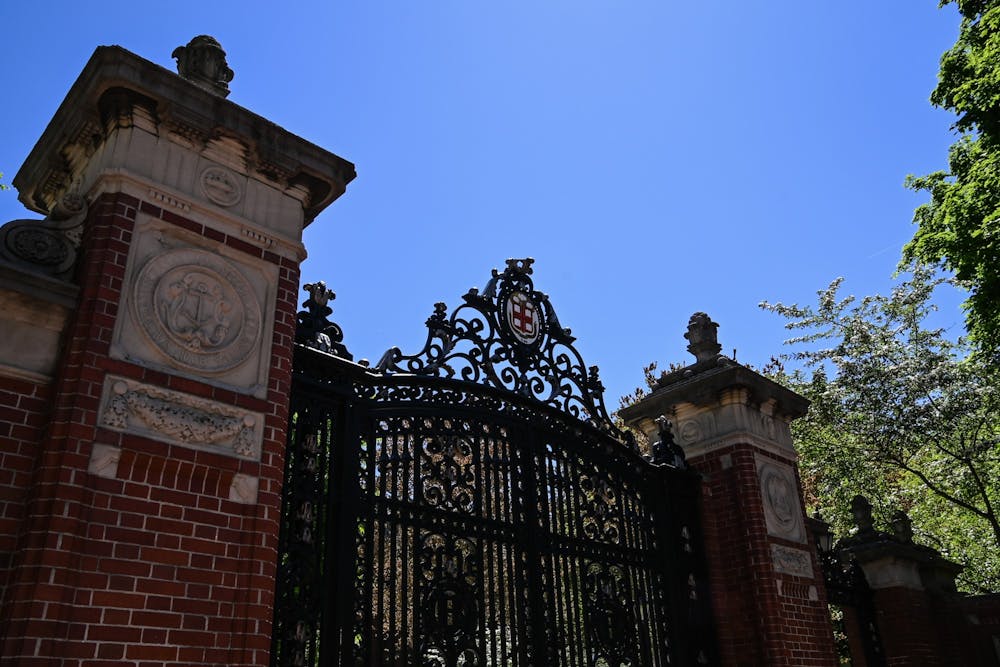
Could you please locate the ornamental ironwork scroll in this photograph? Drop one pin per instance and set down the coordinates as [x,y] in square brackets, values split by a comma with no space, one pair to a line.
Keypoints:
[507,336]
[473,505]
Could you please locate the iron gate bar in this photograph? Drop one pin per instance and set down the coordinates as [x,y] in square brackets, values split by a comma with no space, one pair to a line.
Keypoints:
[489,513]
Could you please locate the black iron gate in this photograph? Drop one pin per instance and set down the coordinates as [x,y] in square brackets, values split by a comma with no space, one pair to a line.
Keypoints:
[473,505]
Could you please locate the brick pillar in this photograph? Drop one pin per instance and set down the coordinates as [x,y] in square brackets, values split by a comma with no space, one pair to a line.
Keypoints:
[913,588]
[149,530]
[733,424]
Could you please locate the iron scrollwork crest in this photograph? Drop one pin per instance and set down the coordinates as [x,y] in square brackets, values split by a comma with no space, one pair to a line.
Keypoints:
[507,336]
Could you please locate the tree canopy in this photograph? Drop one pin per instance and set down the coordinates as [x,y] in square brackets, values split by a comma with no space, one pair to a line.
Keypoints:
[959,228]
[903,414]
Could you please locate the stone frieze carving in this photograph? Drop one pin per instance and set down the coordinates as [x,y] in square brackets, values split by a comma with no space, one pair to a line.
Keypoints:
[179,418]
[788,560]
[780,496]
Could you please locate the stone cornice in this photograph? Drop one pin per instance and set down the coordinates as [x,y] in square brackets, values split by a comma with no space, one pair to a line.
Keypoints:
[118,89]
[705,385]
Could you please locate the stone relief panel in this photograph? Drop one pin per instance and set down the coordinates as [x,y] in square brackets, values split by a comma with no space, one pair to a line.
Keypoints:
[182,419]
[787,560]
[780,495]
[196,311]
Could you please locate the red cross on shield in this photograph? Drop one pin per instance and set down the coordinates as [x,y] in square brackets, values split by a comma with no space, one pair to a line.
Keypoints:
[522,316]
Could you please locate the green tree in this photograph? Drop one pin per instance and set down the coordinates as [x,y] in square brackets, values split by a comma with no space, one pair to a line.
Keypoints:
[959,227]
[901,413]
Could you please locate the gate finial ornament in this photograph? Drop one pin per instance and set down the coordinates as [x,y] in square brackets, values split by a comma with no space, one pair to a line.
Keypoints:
[314,328]
[667,450]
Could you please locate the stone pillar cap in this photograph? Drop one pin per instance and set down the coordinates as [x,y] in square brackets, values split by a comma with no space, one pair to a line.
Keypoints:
[701,384]
[276,156]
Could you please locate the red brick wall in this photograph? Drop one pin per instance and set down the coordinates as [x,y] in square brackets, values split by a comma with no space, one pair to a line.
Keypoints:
[157,565]
[24,408]
[755,625]
[905,623]
[973,623]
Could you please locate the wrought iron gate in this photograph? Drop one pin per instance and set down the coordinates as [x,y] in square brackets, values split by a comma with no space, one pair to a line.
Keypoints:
[473,505]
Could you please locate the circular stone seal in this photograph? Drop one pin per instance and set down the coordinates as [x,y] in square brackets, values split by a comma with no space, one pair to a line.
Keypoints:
[780,497]
[221,186]
[197,309]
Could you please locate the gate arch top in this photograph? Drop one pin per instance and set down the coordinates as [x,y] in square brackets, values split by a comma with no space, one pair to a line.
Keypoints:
[508,336]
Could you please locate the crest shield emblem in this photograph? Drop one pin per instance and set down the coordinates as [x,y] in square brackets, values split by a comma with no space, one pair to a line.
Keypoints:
[523,318]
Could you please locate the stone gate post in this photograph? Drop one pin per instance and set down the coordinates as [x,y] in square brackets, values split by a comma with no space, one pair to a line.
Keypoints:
[733,425]
[143,507]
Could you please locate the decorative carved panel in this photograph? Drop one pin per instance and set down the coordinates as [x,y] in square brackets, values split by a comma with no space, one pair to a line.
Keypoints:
[779,493]
[182,419]
[193,308]
[788,560]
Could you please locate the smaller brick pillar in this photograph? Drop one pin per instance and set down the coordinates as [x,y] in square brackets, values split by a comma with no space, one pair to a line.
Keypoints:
[733,424]
[913,588]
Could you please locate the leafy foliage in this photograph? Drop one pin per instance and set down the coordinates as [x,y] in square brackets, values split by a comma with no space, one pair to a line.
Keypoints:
[903,414]
[960,227]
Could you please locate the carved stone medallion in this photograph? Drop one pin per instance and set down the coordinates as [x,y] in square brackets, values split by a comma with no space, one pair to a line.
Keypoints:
[780,495]
[221,186]
[690,431]
[197,309]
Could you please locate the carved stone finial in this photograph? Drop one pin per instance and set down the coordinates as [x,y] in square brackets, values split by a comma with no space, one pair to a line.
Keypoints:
[902,527]
[203,62]
[861,509]
[702,336]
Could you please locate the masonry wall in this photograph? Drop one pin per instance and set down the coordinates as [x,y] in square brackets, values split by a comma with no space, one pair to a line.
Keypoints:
[767,590]
[974,629]
[142,429]
[156,561]
[24,413]
[763,617]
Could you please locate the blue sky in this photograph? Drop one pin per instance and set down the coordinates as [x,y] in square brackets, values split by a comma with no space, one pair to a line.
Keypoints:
[655,157]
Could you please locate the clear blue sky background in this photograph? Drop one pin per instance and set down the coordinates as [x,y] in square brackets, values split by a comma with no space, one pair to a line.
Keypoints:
[655,157]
